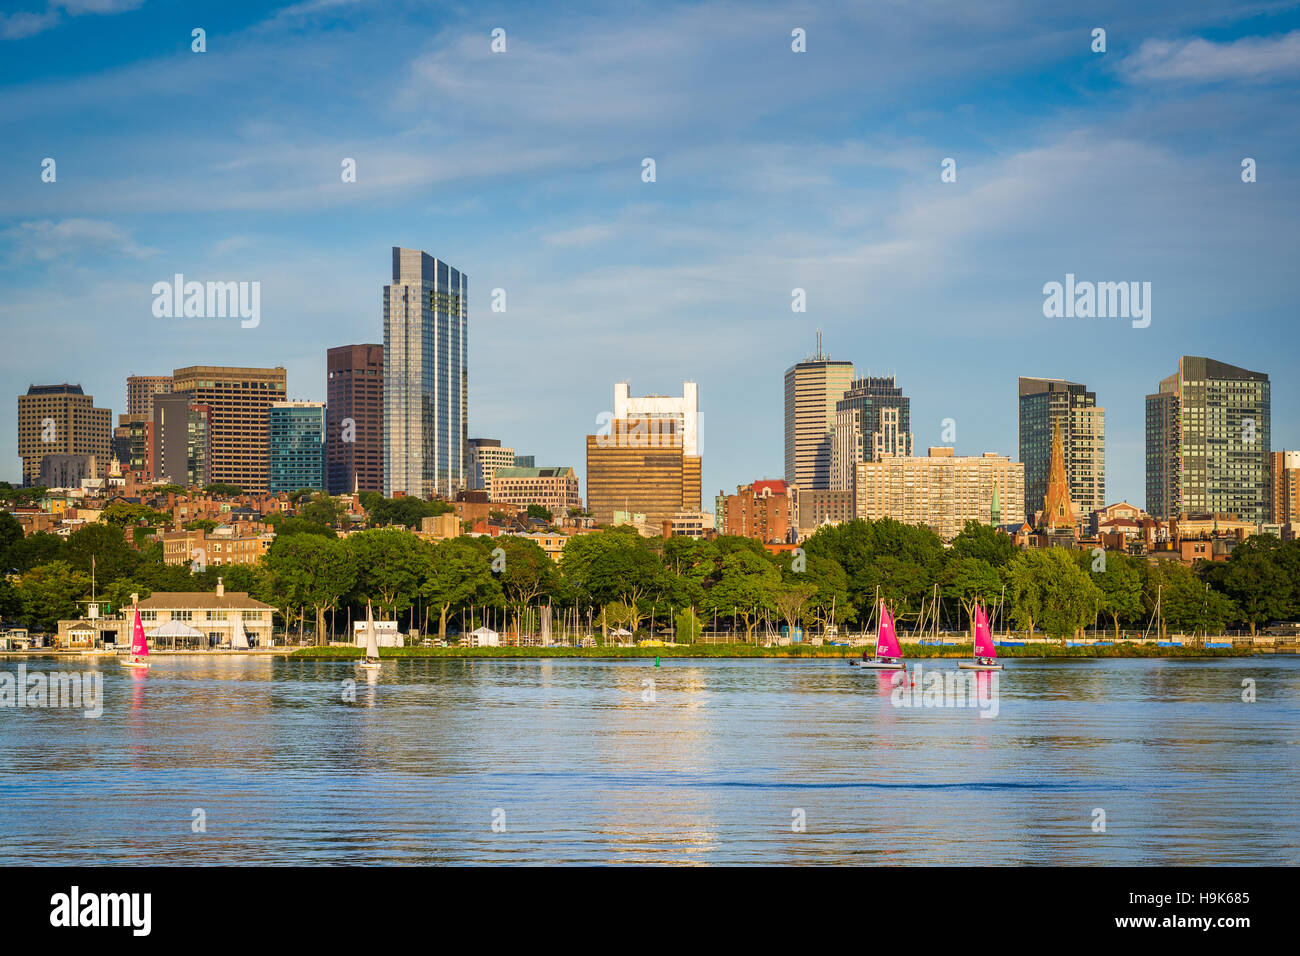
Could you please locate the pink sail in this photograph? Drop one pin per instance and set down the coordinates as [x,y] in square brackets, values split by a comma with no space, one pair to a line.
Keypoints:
[887,640]
[139,648]
[983,637]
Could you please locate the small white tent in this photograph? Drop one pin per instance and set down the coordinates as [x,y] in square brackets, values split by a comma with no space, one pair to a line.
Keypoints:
[482,637]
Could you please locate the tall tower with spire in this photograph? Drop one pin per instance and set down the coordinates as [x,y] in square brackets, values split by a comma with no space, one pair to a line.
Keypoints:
[995,509]
[1057,510]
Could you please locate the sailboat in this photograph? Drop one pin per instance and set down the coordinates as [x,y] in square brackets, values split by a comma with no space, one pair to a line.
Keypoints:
[985,653]
[371,661]
[889,656]
[238,636]
[139,656]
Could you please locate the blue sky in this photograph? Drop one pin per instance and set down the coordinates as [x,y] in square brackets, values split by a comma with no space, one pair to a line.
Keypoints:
[775,170]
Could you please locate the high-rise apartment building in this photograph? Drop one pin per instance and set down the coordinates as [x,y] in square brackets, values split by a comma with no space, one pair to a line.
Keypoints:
[813,387]
[873,418]
[237,400]
[140,390]
[295,446]
[60,420]
[426,385]
[943,490]
[354,413]
[1046,404]
[181,440]
[486,455]
[1285,475]
[640,466]
[1207,442]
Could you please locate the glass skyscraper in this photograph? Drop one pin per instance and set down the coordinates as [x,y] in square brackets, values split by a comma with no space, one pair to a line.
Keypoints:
[296,452]
[426,385]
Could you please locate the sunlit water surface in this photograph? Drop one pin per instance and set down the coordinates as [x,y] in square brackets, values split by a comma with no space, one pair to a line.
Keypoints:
[582,761]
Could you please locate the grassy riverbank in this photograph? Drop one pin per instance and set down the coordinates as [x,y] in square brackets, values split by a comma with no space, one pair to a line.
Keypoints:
[752,650]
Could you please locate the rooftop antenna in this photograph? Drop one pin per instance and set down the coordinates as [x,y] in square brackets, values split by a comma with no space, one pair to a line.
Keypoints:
[820,356]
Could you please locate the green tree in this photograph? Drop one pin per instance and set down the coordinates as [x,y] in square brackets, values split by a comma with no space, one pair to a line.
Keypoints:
[538,511]
[460,576]
[529,574]
[984,542]
[1253,579]
[967,580]
[1120,583]
[104,544]
[49,593]
[389,565]
[36,549]
[745,588]
[686,626]
[11,532]
[1048,588]
[321,510]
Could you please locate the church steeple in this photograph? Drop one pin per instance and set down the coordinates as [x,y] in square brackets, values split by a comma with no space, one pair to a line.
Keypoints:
[1058,512]
[995,510]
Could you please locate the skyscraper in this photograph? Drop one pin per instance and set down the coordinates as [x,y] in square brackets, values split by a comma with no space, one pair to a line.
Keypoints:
[812,389]
[354,411]
[295,446]
[873,418]
[426,385]
[237,400]
[684,410]
[61,420]
[1046,404]
[640,466]
[180,435]
[1285,476]
[1208,434]
[140,390]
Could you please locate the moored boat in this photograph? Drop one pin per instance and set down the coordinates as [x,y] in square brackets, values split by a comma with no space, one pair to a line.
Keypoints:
[139,655]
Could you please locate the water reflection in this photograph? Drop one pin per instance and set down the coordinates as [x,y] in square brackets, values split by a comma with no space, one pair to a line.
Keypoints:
[690,762]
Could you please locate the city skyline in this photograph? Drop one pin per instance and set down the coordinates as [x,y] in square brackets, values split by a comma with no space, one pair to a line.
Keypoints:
[688,277]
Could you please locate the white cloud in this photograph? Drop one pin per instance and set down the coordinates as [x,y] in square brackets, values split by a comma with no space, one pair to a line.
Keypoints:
[1197,60]
[25,24]
[46,240]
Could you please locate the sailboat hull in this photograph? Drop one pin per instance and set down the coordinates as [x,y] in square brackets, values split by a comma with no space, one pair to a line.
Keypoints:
[972,666]
[142,665]
[366,666]
[878,665]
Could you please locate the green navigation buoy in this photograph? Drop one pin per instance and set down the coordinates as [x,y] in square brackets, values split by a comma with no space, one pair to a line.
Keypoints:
[656,660]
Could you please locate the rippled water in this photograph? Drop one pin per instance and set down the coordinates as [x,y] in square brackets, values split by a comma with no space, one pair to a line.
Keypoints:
[720,767]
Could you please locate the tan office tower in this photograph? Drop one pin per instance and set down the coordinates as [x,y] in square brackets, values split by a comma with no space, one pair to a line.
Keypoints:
[942,490]
[61,420]
[812,387]
[237,401]
[140,390]
[640,467]
[1285,474]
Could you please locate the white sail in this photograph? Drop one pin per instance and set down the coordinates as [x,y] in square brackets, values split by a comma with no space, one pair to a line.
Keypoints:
[238,636]
[372,639]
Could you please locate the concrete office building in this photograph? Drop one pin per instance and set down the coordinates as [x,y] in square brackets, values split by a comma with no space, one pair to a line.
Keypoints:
[640,467]
[684,410]
[486,455]
[237,399]
[60,420]
[181,440]
[426,385]
[296,446]
[555,489]
[1044,405]
[354,418]
[1207,442]
[813,388]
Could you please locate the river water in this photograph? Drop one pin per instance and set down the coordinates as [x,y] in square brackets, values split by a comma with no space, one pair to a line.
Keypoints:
[231,760]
